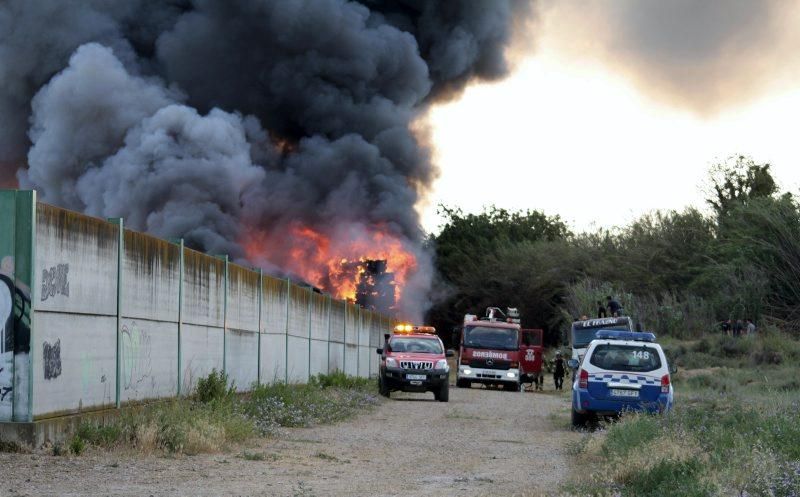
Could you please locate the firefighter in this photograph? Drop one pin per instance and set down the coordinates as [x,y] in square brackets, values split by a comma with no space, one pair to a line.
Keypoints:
[559,371]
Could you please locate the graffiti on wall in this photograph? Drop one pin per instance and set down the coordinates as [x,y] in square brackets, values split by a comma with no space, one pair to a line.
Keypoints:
[136,365]
[55,281]
[15,331]
[51,359]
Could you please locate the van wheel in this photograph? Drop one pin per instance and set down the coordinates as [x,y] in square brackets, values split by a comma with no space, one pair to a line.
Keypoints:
[463,383]
[382,388]
[443,394]
[579,420]
[511,387]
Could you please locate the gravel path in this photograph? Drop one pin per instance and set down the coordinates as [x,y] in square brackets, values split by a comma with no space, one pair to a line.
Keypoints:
[483,442]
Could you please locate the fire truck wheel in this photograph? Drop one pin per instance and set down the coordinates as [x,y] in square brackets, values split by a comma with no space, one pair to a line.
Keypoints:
[443,394]
[463,383]
[382,389]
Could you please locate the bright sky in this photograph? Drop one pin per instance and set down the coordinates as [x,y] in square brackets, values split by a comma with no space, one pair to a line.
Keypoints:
[572,136]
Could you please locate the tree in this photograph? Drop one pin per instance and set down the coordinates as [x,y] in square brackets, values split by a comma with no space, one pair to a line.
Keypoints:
[736,182]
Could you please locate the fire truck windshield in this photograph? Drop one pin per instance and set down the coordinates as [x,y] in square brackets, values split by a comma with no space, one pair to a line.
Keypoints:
[484,337]
[416,345]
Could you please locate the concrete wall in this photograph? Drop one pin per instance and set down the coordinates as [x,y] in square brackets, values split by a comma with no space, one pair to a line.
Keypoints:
[120,317]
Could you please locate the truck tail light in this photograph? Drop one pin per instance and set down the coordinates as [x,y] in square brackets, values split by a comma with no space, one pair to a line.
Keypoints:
[665,384]
[514,365]
[583,379]
[464,361]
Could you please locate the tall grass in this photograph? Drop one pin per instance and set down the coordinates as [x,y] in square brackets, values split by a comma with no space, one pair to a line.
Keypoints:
[733,431]
[215,418]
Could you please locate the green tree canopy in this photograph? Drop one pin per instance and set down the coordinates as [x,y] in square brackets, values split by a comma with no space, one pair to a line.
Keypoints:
[736,182]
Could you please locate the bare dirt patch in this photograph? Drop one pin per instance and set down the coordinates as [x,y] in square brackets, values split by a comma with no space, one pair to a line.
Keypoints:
[482,442]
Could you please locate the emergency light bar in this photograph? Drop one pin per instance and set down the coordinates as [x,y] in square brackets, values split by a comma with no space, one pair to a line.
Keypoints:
[625,335]
[407,328]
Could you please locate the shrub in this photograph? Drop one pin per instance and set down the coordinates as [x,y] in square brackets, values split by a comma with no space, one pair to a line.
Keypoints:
[668,477]
[638,430]
[214,387]
[77,445]
[102,435]
[338,379]
[10,447]
[254,456]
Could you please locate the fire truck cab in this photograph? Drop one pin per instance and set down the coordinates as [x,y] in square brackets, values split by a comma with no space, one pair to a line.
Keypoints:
[413,359]
[489,350]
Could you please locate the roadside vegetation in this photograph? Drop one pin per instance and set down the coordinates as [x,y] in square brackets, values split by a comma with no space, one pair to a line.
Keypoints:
[735,428]
[217,419]
[679,274]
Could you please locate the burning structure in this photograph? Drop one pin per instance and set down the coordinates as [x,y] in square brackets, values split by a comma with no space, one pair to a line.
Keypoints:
[375,286]
[280,133]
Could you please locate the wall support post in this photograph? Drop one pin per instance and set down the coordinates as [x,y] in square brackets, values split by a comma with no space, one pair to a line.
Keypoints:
[330,301]
[180,317]
[310,307]
[344,339]
[260,306]
[286,339]
[120,253]
[24,267]
[225,316]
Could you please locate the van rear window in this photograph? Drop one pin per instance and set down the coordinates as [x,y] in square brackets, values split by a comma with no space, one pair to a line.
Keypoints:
[634,358]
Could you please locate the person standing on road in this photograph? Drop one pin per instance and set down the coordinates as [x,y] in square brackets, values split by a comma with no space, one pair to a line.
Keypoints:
[558,371]
[614,307]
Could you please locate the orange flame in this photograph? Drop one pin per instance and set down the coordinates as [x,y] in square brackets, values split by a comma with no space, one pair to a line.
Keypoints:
[334,264]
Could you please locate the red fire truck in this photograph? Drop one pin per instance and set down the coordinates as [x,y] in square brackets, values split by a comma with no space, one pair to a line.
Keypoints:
[494,350]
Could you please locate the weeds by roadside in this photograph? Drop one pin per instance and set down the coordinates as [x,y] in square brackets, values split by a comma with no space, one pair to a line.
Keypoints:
[733,431]
[215,417]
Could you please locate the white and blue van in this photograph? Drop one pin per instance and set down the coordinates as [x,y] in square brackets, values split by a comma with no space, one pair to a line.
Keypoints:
[621,371]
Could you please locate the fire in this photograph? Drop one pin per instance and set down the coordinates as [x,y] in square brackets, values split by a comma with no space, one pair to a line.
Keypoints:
[354,264]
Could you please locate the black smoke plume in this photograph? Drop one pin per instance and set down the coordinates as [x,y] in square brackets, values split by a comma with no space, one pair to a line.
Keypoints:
[208,119]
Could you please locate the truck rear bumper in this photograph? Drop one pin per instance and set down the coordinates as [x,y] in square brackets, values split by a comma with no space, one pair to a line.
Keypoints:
[582,402]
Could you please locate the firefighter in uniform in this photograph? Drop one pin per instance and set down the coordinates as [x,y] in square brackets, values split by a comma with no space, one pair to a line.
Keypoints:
[559,371]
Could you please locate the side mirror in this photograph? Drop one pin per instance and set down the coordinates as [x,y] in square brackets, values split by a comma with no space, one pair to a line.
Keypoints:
[573,363]
[673,369]
[379,351]
[450,353]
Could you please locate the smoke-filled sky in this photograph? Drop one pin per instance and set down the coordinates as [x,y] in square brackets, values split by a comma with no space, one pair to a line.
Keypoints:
[617,107]
[269,130]
[274,130]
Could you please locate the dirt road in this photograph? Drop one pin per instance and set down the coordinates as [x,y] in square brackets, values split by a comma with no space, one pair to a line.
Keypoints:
[483,442]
